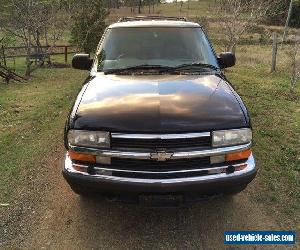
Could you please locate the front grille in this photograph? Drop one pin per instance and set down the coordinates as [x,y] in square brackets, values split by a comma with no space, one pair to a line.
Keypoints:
[161,175]
[151,169]
[160,166]
[133,143]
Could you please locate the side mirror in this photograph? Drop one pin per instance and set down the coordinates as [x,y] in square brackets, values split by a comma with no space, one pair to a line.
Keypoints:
[226,60]
[82,61]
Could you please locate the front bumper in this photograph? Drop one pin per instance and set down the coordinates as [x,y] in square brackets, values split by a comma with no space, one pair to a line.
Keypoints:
[202,185]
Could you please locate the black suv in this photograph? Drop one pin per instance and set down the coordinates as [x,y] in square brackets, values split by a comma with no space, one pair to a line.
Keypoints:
[157,116]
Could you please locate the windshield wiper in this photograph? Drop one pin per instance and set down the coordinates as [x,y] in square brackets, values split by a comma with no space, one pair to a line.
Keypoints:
[164,69]
[193,66]
[137,67]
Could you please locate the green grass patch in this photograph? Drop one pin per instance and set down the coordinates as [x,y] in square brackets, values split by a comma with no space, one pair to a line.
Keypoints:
[275,113]
[32,120]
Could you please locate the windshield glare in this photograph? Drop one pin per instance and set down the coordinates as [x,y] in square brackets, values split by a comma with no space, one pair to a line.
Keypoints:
[165,46]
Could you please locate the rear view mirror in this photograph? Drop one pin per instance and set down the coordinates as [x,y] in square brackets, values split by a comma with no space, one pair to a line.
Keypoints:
[82,61]
[226,60]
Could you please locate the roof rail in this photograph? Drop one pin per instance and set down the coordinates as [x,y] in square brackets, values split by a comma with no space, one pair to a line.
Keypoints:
[141,18]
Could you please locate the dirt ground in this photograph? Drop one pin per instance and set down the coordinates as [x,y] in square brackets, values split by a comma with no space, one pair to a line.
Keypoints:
[50,216]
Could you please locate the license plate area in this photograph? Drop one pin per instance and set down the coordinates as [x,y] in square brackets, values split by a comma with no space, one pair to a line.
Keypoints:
[161,200]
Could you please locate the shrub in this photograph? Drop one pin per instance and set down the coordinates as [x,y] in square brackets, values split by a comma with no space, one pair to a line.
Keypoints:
[280,11]
[89,25]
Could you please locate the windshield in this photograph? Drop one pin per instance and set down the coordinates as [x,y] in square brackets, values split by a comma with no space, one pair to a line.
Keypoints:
[163,46]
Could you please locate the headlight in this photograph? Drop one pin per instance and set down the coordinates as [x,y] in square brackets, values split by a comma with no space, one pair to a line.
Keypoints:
[96,139]
[231,137]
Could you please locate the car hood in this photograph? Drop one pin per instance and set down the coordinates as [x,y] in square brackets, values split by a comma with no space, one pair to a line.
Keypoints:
[158,104]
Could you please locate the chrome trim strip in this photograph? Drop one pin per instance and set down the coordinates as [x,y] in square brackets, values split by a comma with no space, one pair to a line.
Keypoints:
[160,172]
[160,136]
[250,168]
[210,152]
[110,153]
[147,156]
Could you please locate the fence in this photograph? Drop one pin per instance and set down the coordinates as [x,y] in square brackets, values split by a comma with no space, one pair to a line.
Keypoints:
[21,51]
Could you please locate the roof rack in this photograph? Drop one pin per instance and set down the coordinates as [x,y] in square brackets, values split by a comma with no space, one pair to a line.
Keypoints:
[141,18]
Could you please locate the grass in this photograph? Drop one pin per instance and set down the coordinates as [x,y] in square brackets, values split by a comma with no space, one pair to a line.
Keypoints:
[260,34]
[275,113]
[32,120]
[195,8]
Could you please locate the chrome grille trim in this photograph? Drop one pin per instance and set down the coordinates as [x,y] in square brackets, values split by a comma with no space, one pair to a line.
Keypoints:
[160,136]
[68,166]
[158,172]
[147,155]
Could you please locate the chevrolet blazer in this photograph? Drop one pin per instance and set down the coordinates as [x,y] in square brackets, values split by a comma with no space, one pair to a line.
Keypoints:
[157,116]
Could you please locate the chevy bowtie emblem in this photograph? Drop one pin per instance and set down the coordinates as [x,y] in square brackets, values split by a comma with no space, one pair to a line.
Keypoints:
[161,156]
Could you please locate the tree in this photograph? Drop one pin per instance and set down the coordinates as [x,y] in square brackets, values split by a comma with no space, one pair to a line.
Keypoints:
[110,4]
[280,12]
[32,21]
[237,16]
[89,24]
[139,4]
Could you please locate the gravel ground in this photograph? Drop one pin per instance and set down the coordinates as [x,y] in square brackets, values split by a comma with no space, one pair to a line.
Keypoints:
[48,215]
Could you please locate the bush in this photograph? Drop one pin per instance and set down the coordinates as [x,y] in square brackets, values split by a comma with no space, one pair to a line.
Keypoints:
[278,14]
[295,17]
[89,25]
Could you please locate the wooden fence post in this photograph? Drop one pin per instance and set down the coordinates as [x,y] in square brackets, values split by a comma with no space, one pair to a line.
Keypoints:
[274,52]
[66,54]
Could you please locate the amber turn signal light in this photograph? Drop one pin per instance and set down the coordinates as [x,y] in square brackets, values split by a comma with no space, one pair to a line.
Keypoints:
[239,155]
[82,157]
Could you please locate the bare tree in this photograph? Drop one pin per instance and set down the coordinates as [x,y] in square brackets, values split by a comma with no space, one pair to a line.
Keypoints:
[20,24]
[149,2]
[32,21]
[237,16]
[181,5]
[140,6]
